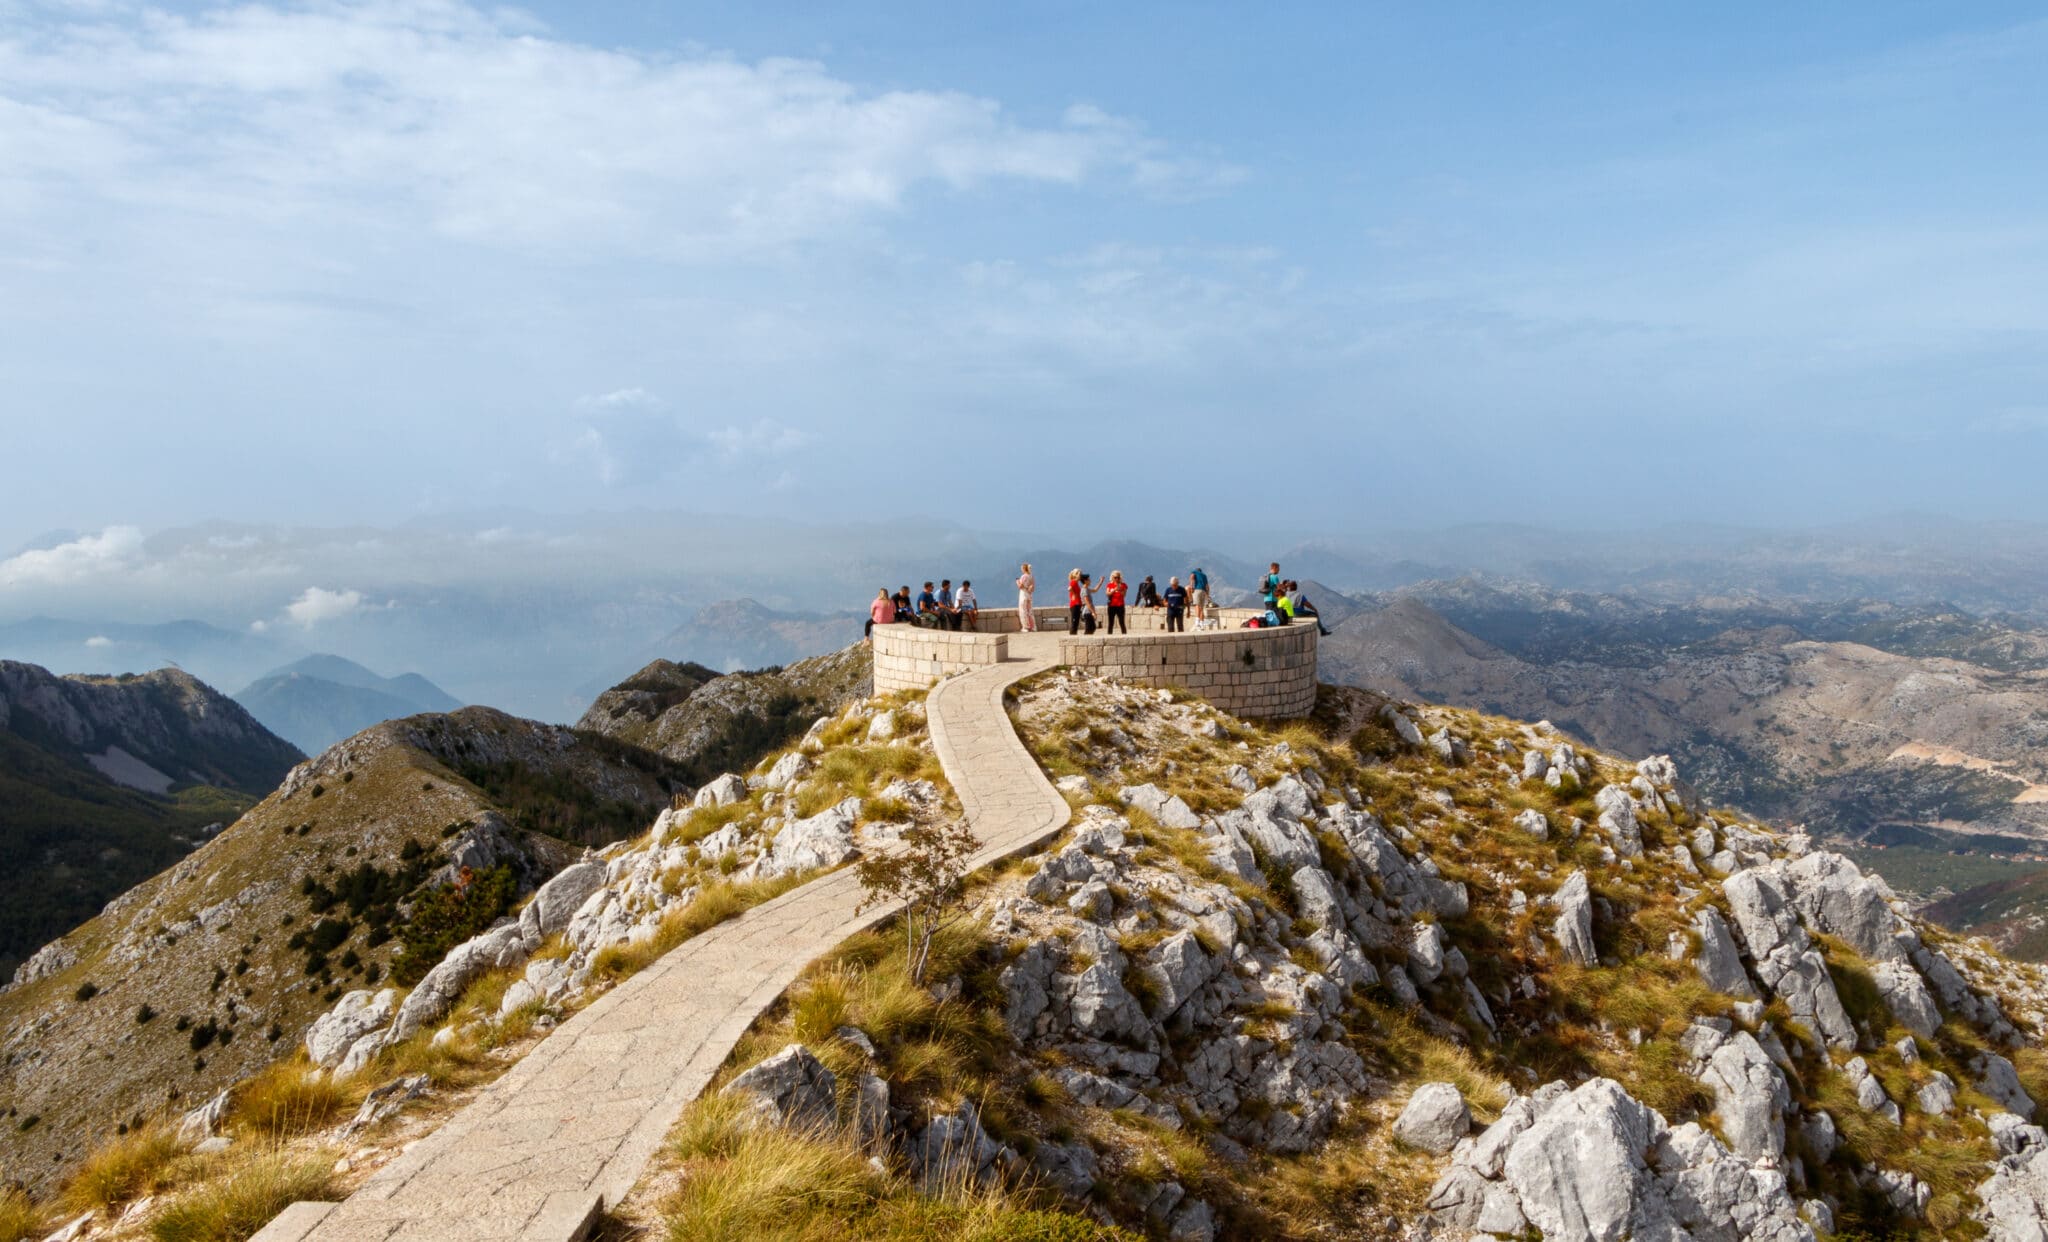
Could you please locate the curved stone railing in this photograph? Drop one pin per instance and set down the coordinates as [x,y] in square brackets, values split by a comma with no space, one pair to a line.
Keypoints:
[1259,673]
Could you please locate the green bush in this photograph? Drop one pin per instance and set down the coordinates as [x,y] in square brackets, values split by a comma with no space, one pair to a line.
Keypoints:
[445,916]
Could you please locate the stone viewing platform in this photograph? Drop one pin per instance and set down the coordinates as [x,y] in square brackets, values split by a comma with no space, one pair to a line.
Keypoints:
[1257,673]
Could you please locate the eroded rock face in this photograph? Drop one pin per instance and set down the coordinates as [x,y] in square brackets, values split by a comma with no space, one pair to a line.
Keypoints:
[1784,955]
[1594,1163]
[1574,925]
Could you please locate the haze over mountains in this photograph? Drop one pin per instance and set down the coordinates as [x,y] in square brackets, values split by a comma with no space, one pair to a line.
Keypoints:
[321,699]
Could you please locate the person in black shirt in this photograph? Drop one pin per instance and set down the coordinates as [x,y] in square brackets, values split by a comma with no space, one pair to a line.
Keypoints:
[1176,605]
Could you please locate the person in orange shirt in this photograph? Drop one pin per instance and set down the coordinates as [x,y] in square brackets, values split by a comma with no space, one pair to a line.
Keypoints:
[881,612]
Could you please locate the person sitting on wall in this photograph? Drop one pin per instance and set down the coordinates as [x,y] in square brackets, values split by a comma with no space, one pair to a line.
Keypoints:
[928,614]
[881,612]
[1299,605]
[966,608]
[947,612]
[1148,593]
[905,614]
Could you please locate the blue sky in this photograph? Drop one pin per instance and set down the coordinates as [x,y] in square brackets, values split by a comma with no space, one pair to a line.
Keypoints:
[1048,266]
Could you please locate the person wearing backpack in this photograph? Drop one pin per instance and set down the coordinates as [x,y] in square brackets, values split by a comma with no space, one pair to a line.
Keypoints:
[1114,592]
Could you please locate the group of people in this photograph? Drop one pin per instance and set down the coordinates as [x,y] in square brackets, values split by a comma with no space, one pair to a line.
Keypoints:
[944,608]
[1285,602]
[1176,599]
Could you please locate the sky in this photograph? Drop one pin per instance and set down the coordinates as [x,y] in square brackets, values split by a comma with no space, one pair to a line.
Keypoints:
[1052,266]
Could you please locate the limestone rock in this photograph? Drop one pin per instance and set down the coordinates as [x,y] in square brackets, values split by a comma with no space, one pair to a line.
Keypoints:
[435,995]
[1170,811]
[1719,962]
[1574,925]
[823,840]
[1750,1093]
[203,1123]
[1905,994]
[1434,1119]
[1997,1079]
[1533,823]
[792,1089]
[787,771]
[1785,958]
[353,1016]
[1618,820]
[386,1102]
[1869,1092]
[724,791]
[1938,1096]
[557,901]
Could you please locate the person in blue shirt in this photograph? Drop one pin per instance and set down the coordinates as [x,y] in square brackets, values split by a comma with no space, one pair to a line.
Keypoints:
[1198,592]
[928,609]
[949,616]
[1271,594]
[1176,597]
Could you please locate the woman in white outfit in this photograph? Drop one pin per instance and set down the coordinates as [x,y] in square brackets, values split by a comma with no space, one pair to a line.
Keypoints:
[1025,585]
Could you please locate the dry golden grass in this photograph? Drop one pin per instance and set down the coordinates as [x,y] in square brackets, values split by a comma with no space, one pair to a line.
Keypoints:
[20,1218]
[715,903]
[289,1098]
[239,1201]
[129,1166]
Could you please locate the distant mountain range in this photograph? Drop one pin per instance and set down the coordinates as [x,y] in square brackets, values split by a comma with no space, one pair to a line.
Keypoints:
[321,699]
[107,780]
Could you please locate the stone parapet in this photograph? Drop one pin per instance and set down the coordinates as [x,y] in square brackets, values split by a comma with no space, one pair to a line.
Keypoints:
[1261,673]
[910,657]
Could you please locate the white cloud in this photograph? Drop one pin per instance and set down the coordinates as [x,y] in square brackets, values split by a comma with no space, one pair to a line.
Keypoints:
[318,604]
[259,627]
[99,640]
[117,549]
[470,124]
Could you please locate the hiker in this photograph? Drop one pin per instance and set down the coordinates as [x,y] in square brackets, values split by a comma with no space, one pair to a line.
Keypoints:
[966,608]
[1198,592]
[1148,593]
[947,612]
[1301,607]
[881,612]
[1176,602]
[928,609]
[1114,591]
[1026,619]
[1073,601]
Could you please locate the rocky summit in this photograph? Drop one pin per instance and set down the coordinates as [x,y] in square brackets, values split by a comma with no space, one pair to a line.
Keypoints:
[1393,971]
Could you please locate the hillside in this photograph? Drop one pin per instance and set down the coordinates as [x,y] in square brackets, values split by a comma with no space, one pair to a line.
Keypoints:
[1855,741]
[1393,972]
[712,723]
[317,701]
[107,780]
[745,634]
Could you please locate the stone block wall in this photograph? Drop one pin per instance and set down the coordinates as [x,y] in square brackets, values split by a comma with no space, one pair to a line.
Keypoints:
[1143,620]
[910,657]
[1262,674]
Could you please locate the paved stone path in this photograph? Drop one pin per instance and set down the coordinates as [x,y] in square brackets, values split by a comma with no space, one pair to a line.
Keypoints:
[568,1130]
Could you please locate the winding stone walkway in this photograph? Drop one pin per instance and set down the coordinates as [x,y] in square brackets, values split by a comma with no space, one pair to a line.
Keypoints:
[567,1131]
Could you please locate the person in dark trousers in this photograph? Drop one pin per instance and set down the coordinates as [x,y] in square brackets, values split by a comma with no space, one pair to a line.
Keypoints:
[881,612]
[1148,593]
[1114,591]
[1074,602]
[928,609]
[1089,619]
[1176,605]
[904,612]
[1272,587]
[947,612]
[1302,608]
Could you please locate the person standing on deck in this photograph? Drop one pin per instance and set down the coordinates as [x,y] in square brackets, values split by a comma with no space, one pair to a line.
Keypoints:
[1025,585]
[1198,592]
[1114,591]
[1073,601]
[1176,602]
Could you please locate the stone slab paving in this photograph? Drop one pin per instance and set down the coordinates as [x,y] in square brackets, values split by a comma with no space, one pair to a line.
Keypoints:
[538,1153]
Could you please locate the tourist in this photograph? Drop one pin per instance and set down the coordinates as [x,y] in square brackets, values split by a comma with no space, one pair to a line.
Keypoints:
[1198,592]
[1270,589]
[1073,601]
[904,612]
[1176,602]
[1148,593]
[881,612]
[1089,621]
[965,607]
[1301,607]
[949,615]
[1026,619]
[1114,591]
[928,609]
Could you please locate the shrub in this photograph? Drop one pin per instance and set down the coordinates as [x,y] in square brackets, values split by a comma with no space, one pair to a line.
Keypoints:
[445,916]
[86,991]
[234,1207]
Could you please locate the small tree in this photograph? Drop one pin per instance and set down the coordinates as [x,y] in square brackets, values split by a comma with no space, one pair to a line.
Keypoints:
[926,872]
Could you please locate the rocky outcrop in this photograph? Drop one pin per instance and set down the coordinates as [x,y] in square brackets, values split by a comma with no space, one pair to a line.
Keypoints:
[1783,953]
[1434,1119]
[1593,1163]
